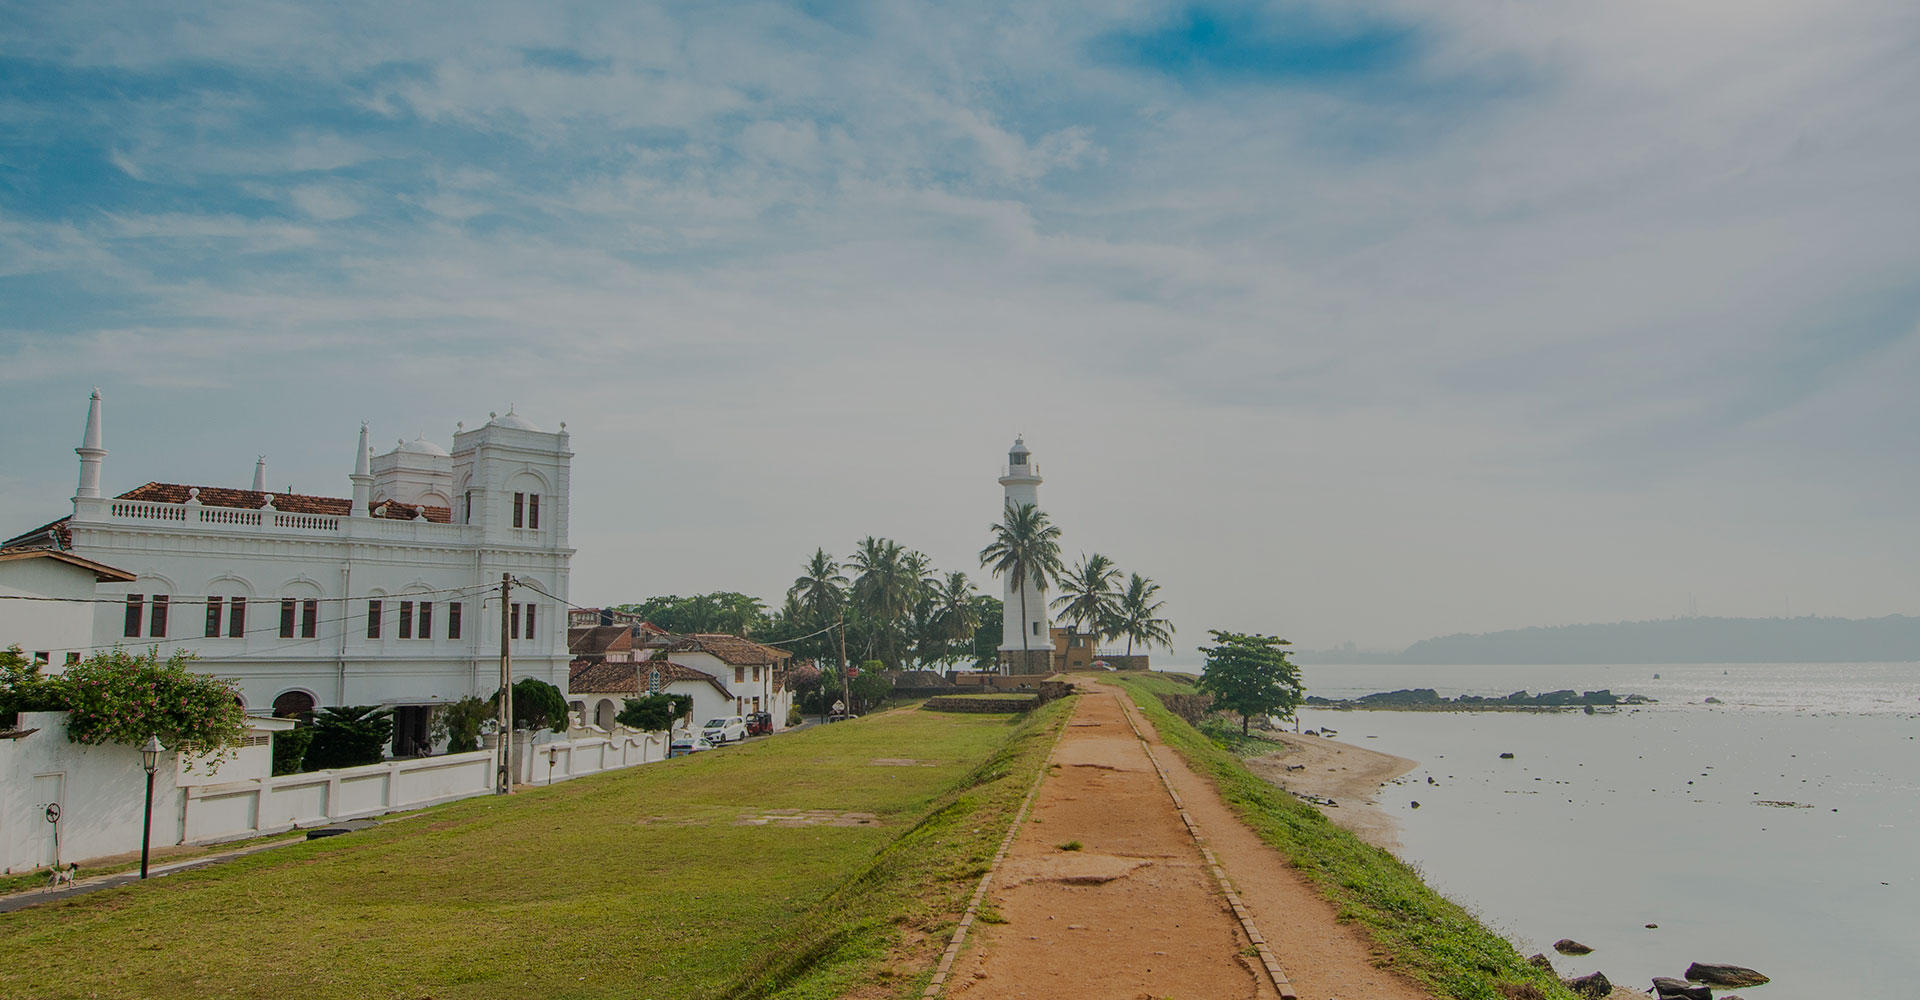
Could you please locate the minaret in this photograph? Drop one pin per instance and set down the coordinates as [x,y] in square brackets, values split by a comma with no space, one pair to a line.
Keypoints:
[260,474]
[90,452]
[1023,630]
[362,475]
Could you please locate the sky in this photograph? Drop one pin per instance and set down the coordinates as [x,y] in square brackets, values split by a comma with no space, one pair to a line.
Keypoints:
[1355,322]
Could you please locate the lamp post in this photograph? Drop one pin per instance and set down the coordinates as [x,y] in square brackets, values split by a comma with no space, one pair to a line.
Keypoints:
[150,761]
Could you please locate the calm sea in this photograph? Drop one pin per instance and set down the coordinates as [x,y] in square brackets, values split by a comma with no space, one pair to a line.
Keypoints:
[1775,830]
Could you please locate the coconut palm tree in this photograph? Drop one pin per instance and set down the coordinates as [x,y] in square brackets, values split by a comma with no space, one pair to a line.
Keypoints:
[954,617]
[820,588]
[1135,617]
[1087,595]
[1025,548]
[889,582]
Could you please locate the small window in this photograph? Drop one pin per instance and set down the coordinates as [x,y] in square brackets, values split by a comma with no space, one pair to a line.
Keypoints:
[43,657]
[739,675]
[286,617]
[157,618]
[468,519]
[533,510]
[309,619]
[530,608]
[756,671]
[1036,628]
[73,658]
[425,629]
[513,623]
[453,620]
[213,617]
[406,619]
[136,607]
[519,510]
[237,618]
[373,619]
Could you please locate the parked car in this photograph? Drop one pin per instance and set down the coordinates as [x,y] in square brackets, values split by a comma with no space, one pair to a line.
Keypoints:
[760,724]
[725,730]
[684,743]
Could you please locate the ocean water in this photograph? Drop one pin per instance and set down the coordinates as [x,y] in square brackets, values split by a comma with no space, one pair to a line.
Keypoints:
[1776,830]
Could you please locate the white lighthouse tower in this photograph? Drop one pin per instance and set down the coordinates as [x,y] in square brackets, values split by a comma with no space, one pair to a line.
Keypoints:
[1026,643]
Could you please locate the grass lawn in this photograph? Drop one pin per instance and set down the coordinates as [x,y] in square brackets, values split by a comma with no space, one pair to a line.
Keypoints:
[1426,935]
[636,883]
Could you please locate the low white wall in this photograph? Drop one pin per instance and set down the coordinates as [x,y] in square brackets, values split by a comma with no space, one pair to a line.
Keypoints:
[546,763]
[269,805]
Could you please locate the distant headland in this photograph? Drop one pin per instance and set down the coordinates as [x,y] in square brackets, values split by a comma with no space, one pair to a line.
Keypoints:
[1895,638]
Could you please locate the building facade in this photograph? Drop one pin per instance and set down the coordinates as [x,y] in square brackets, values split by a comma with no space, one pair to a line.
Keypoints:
[390,597]
[1026,645]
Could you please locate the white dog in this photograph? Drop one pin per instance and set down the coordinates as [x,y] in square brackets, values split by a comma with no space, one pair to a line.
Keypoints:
[62,875]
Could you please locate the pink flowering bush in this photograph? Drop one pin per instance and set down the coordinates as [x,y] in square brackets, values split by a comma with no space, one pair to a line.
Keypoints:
[123,697]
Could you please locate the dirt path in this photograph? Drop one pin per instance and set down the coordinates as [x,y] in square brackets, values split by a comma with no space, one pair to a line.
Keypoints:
[1135,912]
[1349,775]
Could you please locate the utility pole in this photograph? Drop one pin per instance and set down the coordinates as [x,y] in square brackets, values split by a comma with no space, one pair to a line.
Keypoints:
[846,689]
[505,785]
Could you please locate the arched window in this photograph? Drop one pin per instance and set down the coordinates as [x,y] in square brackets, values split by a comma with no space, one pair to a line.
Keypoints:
[603,714]
[293,705]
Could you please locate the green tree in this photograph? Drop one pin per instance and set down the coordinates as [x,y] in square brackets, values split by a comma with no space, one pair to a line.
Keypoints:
[119,696]
[989,620]
[290,748]
[349,736]
[817,599]
[1137,616]
[1250,675]
[536,705]
[1025,548]
[956,616]
[721,611]
[459,722]
[890,581]
[1087,595]
[655,712]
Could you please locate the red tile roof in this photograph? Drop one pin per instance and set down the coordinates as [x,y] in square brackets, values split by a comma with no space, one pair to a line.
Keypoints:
[292,503]
[586,676]
[599,640]
[731,649]
[56,534]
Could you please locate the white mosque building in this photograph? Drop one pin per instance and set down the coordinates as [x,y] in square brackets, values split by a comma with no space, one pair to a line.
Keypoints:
[389,597]
[1026,639]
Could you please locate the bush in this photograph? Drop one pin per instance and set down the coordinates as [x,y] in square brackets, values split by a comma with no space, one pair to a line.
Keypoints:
[655,712]
[349,736]
[536,705]
[23,688]
[459,722]
[794,717]
[122,697]
[290,749]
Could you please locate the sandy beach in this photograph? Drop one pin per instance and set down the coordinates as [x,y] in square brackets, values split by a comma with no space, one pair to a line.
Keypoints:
[1349,775]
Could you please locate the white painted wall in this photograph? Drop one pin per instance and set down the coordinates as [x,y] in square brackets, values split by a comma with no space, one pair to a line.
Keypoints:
[47,627]
[707,700]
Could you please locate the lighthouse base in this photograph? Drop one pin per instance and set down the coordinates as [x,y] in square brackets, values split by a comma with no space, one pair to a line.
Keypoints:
[1027,661]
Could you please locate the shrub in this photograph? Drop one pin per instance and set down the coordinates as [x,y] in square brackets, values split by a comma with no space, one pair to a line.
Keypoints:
[349,736]
[655,712]
[536,705]
[459,722]
[290,749]
[122,697]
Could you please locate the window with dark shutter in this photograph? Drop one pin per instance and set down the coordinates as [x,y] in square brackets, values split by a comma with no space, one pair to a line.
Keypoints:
[213,617]
[453,620]
[309,619]
[373,619]
[425,631]
[519,510]
[513,623]
[533,510]
[286,617]
[73,658]
[530,608]
[136,605]
[157,619]
[406,619]
[237,618]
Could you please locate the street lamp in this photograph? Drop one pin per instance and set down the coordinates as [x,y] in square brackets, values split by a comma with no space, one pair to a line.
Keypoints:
[150,761]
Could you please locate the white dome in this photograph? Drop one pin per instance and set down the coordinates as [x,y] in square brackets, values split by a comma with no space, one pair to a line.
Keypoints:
[513,420]
[422,446]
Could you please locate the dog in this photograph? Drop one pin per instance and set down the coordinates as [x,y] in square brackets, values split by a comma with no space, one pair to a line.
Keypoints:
[61,876]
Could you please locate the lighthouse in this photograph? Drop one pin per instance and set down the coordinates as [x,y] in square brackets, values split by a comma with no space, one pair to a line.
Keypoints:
[1026,644]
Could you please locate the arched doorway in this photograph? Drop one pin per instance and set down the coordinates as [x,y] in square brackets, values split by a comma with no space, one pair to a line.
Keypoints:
[603,714]
[293,705]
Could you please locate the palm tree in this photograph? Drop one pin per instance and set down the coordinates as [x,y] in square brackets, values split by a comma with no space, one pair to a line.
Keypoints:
[954,617]
[820,587]
[1087,595]
[889,583]
[1025,548]
[1135,618]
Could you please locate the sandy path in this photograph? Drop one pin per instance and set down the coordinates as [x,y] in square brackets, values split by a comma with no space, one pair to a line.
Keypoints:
[1347,774]
[1136,913]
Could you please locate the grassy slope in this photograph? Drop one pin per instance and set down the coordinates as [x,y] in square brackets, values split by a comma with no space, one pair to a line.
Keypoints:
[1429,937]
[634,883]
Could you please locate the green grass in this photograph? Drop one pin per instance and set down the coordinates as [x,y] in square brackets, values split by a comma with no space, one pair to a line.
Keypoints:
[635,883]
[1225,734]
[38,878]
[1071,845]
[1424,934]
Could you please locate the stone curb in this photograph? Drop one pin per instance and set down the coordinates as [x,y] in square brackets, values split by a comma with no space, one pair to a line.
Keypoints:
[1240,912]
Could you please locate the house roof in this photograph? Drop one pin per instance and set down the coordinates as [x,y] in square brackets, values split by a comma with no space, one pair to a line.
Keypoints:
[599,677]
[57,532]
[598,640]
[731,649]
[102,573]
[292,503]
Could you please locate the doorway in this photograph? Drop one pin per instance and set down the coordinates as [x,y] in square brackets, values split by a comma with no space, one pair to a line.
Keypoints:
[411,730]
[45,816]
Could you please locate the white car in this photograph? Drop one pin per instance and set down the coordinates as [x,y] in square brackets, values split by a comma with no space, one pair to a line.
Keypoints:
[725,730]
[684,743]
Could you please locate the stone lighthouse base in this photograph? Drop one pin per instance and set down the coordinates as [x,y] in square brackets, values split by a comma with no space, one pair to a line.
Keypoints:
[1027,661]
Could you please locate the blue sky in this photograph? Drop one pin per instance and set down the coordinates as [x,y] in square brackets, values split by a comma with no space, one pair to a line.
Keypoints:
[1353,322]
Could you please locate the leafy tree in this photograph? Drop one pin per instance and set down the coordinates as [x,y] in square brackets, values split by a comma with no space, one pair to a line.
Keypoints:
[655,712]
[23,688]
[989,622]
[890,581]
[1025,548]
[869,689]
[1135,617]
[122,697]
[1087,595]
[290,748]
[459,722]
[721,611]
[349,736]
[955,616]
[536,705]
[1250,675]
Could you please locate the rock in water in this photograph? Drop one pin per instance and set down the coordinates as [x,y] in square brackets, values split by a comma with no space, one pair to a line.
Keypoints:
[1568,946]
[1679,989]
[1594,985]
[1724,975]
[1540,961]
